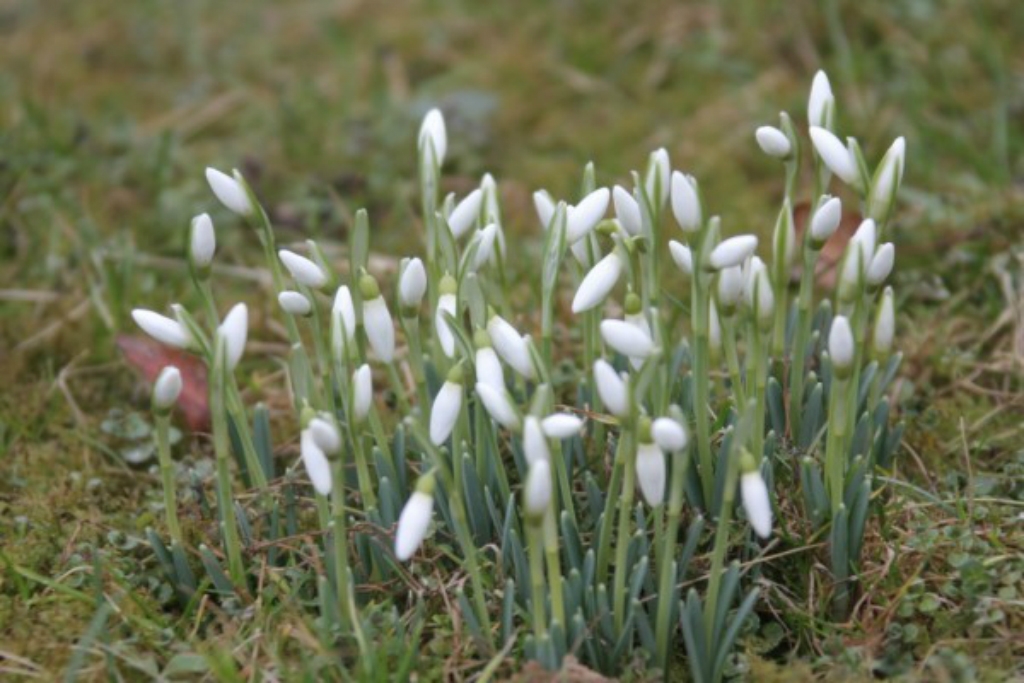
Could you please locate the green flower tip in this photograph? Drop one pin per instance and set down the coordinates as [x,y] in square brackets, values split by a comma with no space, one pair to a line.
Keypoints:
[448,285]
[368,287]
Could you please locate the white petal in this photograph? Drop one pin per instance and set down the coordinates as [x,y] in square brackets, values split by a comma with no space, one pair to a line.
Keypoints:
[627,210]
[413,524]
[881,265]
[464,215]
[362,392]
[445,304]
[162,328]
[202,240]
[714,326]
[685,202]
[626,339]
[773,142]
[885,324]
[821,97]
[325,435]
[826,219]
[346,310]
[445,411]
[756,503]
[510,345]
[669,434]
[598,283]
[235,330]
[545,207]
[433,129]
[294,303]
[229,192]
[733,251]
[305,271]
[682,256]
[611,388]
[659,170]
[538,489]
[167,388]
[486,249]
[380,330]
[840,343]
[585,216]
[498,405]
[561,426]
[317,466]
[413,284]
[535,444]
[835,155]
[488,368]
[650,473]
[730,286]
[887,180]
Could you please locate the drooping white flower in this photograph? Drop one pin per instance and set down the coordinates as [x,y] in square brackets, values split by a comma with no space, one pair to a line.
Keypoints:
[682,256]
[658,177]
[881,265]
[433,130]
[535,444]
[165,330]
[413,284]
[445,411]
[611,388]
[538,489]
[510,345]
[885,324]
[545,207]
[733,251]
[202,241]
[887,181]
[773,142]
[167,389]
[465,213]
[498,405]
[627,211]
[840,343]
[826,219]
[730,288]
[229,192]
[650,473]
[445,304]
[835,155]
[669,434]
[756,503]
[486,237]
[685,202]
[305,271]
[343,320]
[362,392]
[380,330]
[235,330]
[626,339]
[488,368]
[413,524]
[582,218]
[325,434]
[598,283]
[315,461]
[294,303]
[561,425]
[821,103]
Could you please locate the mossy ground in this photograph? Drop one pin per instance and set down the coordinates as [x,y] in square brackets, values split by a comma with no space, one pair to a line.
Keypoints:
[109,111]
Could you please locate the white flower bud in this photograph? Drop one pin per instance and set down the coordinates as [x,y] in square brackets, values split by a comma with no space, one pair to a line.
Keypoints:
[433,130]
[294,303]
[465,213]
[165,330]
[627,211]
[537,490]
[626,339]
[685,202]
[756,503]
[167,389]
[733,251]
[535,444]
[362,392]
[545,207]
[510,345]
[235,330]
[881,265]
[413,524]
[650,473]
[343,320]
[669,434]
[730,287]
[821,103]
[835,155]
[714,327]
[315,461]
[325,435]
[413,284]
[305,271]
[202,241]
[856,259]
[445,304]
[840,344]
[598,283]
[886,182]
[658,180]
[488,368]
[583,217]
[561,426]
[682,256]
[826,219]
[885,324]
[484,252]
[445,411]
[498,405]
[380,330]
[611,388]
[229,192]
[773,142]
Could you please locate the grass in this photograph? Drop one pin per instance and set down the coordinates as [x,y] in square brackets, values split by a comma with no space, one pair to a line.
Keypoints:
[109,112]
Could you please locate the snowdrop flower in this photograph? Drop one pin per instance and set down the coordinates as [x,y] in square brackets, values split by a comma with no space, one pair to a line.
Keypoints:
[835,155]
[650,473]
[887,181]
[583,217]
[465,213]
[561,426]
[446,304]
[685,202]
[510,345]
[760,298]
[486,238]
[840,346]
[545,207]
[229,191]
[433,131]
[682,256]
[634,314]
[166,389]
[498,405]
[325,435]
[294,303]
[732,252]
[821,104]
[825,220]
[773,142]
[611,388]
[756,503]
[165,330]
[446,408]
[881,265]
[234,330]
[856,259]
[486,364]
[315,461]
[412,285]
[598,283]
[657,180]
[885,325]
[730,289]
[343,321]
[202,241]
[415,519]
[627,211]
[304,270]
[535,444]
[537,490]
[669,434]
[714,329]
[362,392]
[380,330]
[626,339]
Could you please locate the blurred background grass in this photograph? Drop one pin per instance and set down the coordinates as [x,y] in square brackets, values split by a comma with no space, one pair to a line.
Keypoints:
[109,111]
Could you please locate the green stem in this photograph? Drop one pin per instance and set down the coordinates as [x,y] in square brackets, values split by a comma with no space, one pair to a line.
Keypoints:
[340,536]
[798,366]
[667,568]
[536,546]
[760,353]
[554,566]
[622,543]
[701,381]
[721,544]
[614,490]
[835,456]
[221,447]
[163,449]
[732,361]
[399,387]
